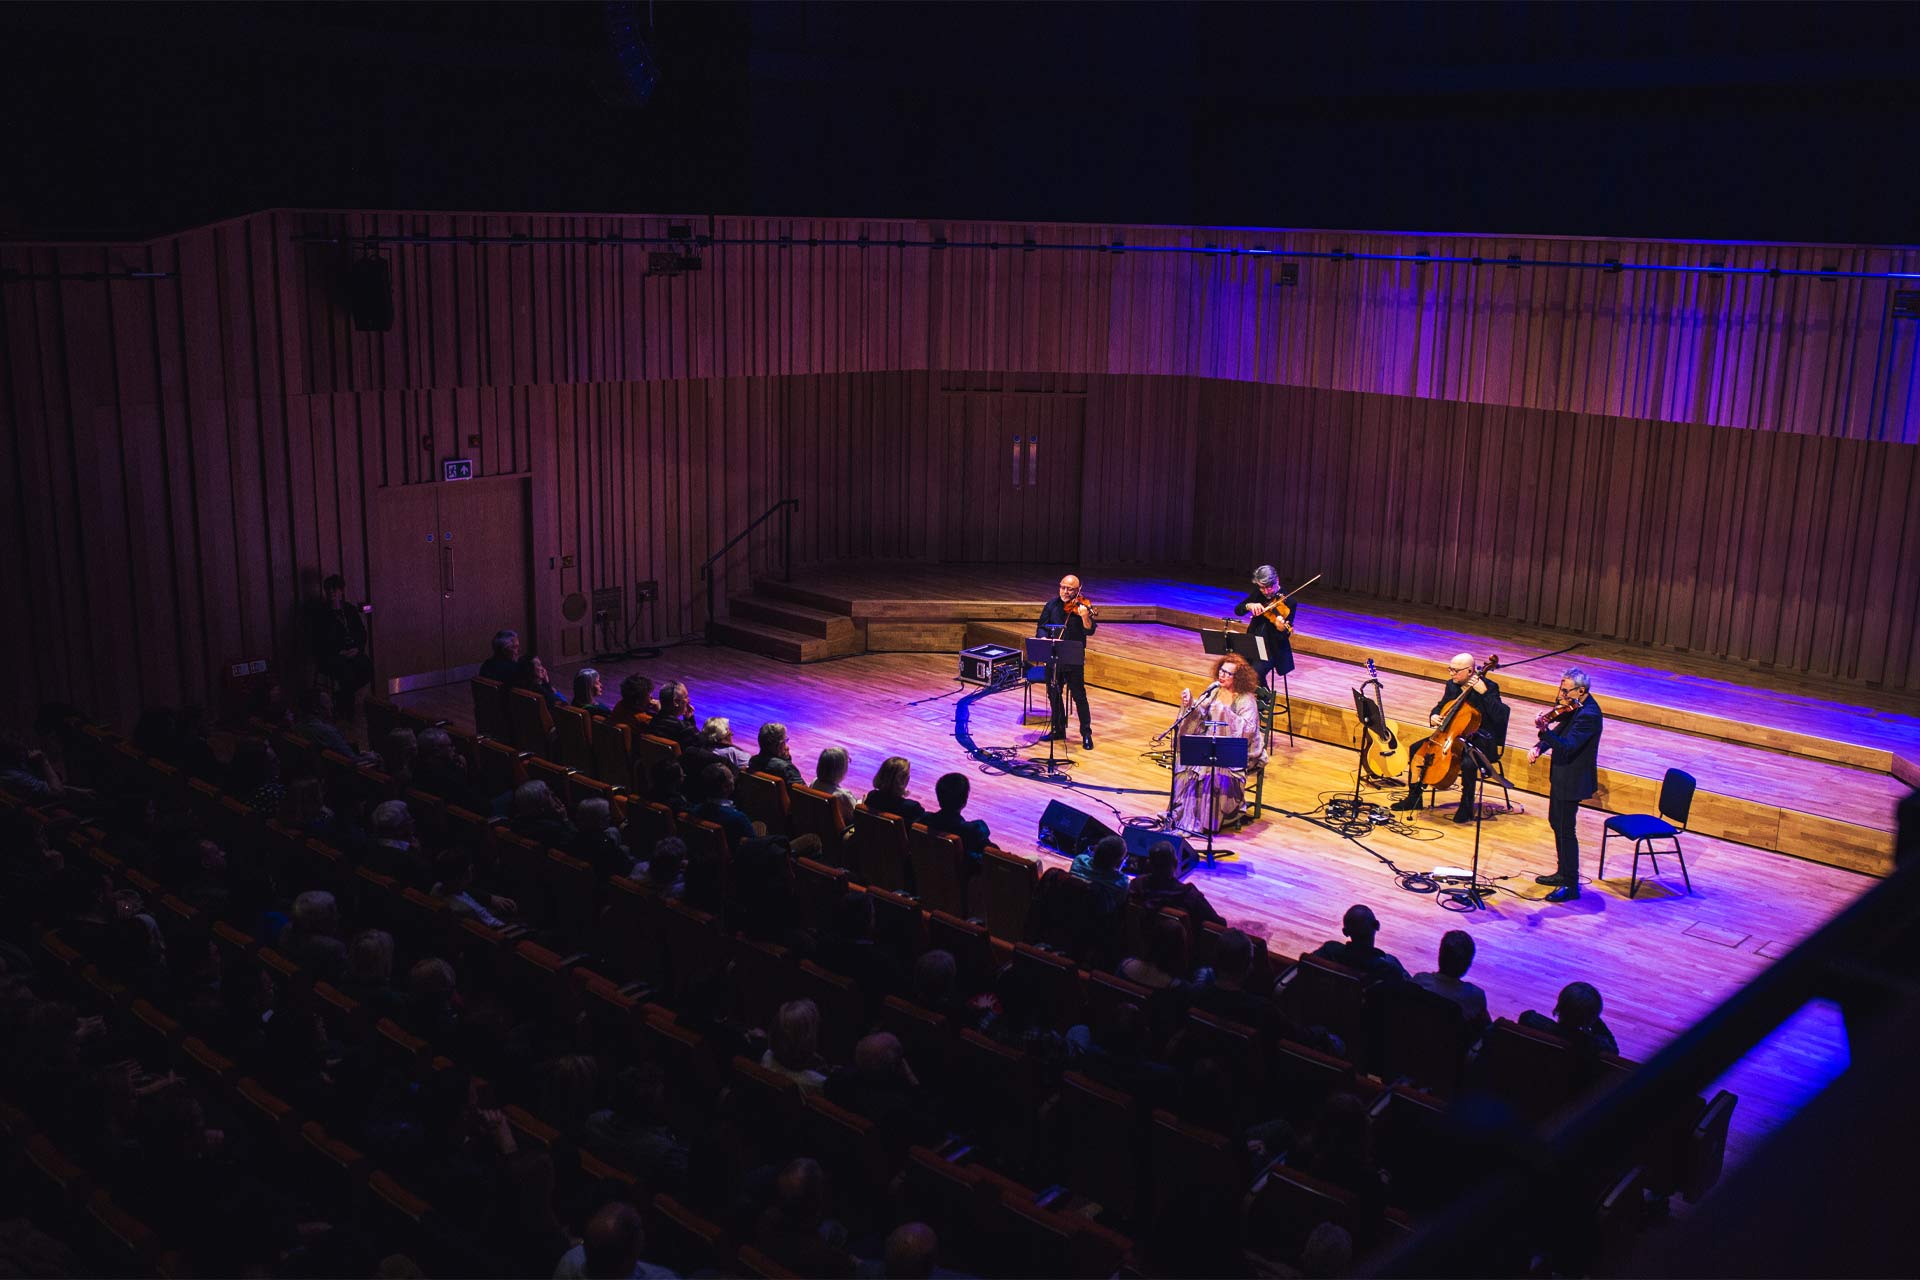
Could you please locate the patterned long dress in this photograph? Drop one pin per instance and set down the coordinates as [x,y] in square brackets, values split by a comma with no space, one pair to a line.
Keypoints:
[1204,800]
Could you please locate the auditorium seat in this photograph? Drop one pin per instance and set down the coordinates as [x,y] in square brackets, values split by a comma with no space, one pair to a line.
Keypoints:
[969,944]
[749,1261]
[1287,1204]
[551,772]
[925,1036]
[683,1241]
[850,1145]
[1188,1160]
[1423,1037]
[1008,884]
[612,752]
[940,870]
[1317,992]
[1005,1097]
[502,766]
[573,889]
[815,813]
[821,888]
[649,752]
[491,717]
[879,849]
[899,924]
[1105,994]
[763,798]
[764,976]
[631,931]
[532,720]
[1057,984]
[1303,1077]
[1105,1150]
[1530,1071]
[573,737]
[652,823]
[841,1004]
[693,943]
[1233,1043]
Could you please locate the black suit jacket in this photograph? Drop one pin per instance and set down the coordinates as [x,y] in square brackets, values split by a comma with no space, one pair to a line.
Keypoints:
[1576,751]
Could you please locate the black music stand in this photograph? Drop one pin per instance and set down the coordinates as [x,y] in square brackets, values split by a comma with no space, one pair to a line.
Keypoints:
[1202,751]
[1473,895]
[1372,721]
[1050,652]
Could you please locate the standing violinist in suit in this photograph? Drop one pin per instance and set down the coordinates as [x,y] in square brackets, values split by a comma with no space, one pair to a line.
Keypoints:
[1483,695]
[1274,632]
[1572,733]
[1068,618]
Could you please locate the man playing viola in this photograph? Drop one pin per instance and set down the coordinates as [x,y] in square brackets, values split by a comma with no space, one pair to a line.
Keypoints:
[1268,625]
[1572,734]
[1068,618]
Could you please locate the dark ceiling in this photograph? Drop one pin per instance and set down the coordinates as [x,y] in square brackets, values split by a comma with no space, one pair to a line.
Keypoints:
[1768,121]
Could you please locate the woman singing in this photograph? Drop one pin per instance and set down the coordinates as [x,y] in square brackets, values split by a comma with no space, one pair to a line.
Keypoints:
[1207,799]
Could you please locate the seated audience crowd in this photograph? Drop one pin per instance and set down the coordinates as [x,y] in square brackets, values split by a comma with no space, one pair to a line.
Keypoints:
[392,1017]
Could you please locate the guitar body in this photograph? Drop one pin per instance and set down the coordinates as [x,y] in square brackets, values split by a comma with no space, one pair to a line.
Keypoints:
[1384,760]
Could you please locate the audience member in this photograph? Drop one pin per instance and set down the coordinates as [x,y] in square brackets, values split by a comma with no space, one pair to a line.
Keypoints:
[1358,951]
[504,663]
[454,867]
[539,816]
[587,688]
[889,794]
[539,680]
[312,941]
[636,705]
[597,840]
[716,742]
[1165,964]
[952,791]
[776,755]
[674,720]
[1456,957]
[881,1086]
[1229,995]
[793,1045]
[850,948]
[614,1240]
[393,847]
[667,785]
[254,775]
[26,772]
[794,1230]
[632,1130]
[667,867]
[340,649]
[317,724]
[369,977]
[1162,886]
[1576,1019]
[1102,863]
[399,755]
[910,1253]
[830,776]
[718,807]
[441,770]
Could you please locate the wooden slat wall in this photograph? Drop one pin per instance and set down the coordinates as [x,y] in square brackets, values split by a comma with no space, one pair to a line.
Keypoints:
[183,460]
[1789,550]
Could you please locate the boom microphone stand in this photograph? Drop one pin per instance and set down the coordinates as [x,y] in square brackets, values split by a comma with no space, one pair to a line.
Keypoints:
[1473,896]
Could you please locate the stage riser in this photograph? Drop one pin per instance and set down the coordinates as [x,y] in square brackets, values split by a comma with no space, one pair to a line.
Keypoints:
[1819,839]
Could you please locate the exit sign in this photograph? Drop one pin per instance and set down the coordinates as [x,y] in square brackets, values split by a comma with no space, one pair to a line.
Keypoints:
[457,469]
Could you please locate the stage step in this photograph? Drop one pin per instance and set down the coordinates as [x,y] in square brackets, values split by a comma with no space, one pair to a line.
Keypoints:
[784,644]
[790,616]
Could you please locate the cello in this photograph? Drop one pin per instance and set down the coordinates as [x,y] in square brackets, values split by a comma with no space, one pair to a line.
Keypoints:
[1434,762]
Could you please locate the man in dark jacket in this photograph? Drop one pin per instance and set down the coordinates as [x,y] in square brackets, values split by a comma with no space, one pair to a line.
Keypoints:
[952,791]
[1575,775]
[340,650]
[1483,695]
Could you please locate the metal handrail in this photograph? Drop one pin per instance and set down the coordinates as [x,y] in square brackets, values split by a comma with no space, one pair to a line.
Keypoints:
[788,505]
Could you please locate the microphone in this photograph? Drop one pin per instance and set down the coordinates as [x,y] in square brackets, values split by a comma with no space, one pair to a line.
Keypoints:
[1209,689]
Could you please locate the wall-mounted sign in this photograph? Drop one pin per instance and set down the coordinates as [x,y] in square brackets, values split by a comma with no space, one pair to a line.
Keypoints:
[457,469]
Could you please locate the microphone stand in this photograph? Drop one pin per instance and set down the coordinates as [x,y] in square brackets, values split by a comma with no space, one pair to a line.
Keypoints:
[1473,897]
[1173,768]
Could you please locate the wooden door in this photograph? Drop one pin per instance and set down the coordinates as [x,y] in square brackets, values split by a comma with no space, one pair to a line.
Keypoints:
[485,543]
[406,587]
[1022,468]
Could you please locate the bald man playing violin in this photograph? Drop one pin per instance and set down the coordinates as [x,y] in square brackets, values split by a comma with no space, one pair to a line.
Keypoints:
[1068,617]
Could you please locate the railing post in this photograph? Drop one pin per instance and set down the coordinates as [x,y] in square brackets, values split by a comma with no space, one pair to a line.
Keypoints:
[710,639]
[786,540]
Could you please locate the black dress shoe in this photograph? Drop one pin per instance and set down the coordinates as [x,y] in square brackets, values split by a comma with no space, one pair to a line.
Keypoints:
[1086,739]
[1463,814]
[1409,801]
[1555,878]
[1565,894]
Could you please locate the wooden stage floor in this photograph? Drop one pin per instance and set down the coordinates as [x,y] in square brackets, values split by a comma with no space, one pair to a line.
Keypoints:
[1661,960]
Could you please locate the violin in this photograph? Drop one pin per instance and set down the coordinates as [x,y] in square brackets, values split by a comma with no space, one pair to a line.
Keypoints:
[1279,610]
[1555,717]
[1080,598]
[1436,759]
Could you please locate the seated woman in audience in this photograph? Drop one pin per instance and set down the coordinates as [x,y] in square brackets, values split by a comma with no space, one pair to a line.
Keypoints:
[667,867]
[541,682]
[586,692]
[636,705]
[716,739]
[889,794]
[304,808]
[455,887]
[598,841]
[1163,887]
[370,973]
[793,1046]
[831,777]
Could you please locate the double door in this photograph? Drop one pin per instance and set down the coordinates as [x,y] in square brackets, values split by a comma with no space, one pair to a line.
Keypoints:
[1022,477]
[449,568]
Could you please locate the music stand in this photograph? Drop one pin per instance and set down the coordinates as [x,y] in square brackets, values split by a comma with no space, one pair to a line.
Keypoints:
[1050,652]
[1202,751]
[1372,721]
[1473,897]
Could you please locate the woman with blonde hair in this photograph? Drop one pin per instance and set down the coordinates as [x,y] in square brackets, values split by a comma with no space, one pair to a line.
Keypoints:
[889,794]
[793,1045]
[830,776]
[1207,799]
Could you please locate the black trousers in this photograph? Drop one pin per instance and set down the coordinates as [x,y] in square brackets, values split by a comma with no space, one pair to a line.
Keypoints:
[1069,680]
[1564,817]
[349,676]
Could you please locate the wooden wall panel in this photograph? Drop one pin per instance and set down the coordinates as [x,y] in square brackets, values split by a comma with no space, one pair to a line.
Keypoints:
[183,460]
[1775,548]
